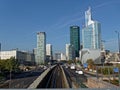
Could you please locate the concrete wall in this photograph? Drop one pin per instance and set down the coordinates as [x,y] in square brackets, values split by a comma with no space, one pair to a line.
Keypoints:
[39,79]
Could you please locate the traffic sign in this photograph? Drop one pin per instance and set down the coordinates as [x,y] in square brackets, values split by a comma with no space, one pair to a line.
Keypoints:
[85,65]
[116,70]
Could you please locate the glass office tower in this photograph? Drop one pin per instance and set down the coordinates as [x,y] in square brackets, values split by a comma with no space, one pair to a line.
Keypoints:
[41,48]
[75,39]
[91,33]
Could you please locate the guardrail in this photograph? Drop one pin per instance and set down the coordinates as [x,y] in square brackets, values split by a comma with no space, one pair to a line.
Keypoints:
[40,78]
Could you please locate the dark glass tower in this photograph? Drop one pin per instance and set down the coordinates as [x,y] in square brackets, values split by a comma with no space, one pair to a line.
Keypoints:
[75,39]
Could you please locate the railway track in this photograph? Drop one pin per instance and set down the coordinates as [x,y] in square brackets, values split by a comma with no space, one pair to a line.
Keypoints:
[54,79]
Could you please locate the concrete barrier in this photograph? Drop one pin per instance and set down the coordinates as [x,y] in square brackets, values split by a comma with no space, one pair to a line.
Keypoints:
[40,78]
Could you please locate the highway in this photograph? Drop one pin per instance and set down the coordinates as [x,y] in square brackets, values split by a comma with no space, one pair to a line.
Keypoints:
[22,80]
[53,79]
[75,80]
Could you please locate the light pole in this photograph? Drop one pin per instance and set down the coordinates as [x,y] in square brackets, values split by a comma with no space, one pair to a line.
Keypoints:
[118,41]
[119,54]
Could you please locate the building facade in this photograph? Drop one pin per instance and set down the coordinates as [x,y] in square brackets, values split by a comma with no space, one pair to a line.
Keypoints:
[75,39]
[60,56]
[93,54]
[49,54]
[21,56]
[63,56]
[70,52]
[57,56]
[41,48]
[91,33]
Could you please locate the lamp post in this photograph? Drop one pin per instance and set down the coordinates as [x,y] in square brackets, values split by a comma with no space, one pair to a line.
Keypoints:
[118,40]
[119,54]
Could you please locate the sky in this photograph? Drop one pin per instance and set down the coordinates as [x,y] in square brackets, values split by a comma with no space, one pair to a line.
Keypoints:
[20,20]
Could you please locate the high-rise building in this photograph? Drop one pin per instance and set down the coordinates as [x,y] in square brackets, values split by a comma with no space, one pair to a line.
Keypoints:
[57,56]
[67,51]
[75,39]
[63,56]
[35,54]
[49,51]
[91,33]
[70,52]
[41,48]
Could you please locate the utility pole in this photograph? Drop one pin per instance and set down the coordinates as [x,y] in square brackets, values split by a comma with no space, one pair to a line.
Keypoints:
[0,51]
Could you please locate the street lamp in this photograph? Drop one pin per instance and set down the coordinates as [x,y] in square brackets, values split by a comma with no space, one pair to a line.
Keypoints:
[118,40]
[119,53]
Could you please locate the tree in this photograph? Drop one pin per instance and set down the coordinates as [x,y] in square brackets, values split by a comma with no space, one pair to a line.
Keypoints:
[11,64]
[90,63]
[70,61]
[2,65]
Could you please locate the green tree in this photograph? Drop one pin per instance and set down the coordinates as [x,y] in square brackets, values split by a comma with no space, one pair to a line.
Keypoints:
[11,64]
[2,65]
[70,61]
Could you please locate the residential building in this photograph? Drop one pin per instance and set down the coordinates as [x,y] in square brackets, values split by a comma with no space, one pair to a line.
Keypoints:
[41,48]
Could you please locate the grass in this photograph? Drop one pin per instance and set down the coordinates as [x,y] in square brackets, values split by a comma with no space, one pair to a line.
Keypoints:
[2,77]
[115,82]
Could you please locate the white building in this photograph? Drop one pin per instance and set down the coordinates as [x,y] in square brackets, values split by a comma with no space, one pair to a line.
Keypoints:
[70,52]
[49,51]
[67,51]
[86,54]
[21,56]
[60,56]
[57,56]
[63,56]
[8,54]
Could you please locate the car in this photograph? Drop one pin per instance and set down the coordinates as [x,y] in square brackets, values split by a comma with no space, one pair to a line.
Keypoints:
[66,66]
[72,67]
[44,67]
[79,71]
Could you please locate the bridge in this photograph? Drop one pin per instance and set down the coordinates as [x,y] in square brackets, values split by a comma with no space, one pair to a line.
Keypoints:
[58,77]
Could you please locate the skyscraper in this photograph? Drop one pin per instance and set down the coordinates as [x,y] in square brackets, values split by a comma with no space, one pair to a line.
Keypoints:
[41,48]
[91,33]
[49,51]
[75,39]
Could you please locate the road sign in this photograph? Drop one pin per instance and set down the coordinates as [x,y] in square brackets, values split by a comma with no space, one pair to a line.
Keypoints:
[85,65]
[116,70]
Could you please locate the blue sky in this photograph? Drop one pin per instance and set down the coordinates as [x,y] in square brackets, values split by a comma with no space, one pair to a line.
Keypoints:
[20,20]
